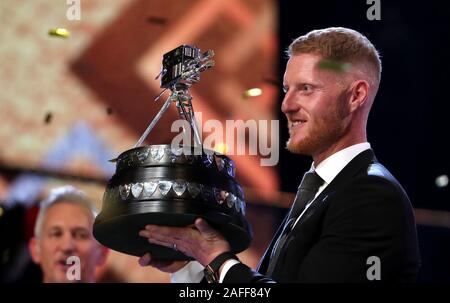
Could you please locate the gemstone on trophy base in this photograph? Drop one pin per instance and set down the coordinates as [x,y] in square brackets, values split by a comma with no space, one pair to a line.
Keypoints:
[164,187]
[220,195]
[220,163]
[136,189]
[149,188]
[142,156]
[124,191]
[177,151]
[230,169]
[242,207]
[231,200]
[237,204]
[207,160]
[157,153]
[179,187]
[194,189]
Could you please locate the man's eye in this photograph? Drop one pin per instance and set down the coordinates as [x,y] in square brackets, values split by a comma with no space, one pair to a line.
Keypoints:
[55,233]
[306,87]
[82,235]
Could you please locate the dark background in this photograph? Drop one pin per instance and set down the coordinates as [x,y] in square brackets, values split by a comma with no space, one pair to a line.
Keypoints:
[408,126]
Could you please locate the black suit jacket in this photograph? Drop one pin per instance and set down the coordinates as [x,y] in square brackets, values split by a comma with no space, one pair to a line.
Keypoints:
[363,212]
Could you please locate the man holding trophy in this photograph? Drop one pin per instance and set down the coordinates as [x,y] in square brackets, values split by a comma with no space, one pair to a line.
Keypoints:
[349,210]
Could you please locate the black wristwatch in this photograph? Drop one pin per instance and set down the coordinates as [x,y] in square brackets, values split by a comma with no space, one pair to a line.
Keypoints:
[212,269]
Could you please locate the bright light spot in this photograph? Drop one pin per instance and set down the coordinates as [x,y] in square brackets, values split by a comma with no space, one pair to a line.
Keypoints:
[59,32]
[442,181]
[221,148]
[252,92]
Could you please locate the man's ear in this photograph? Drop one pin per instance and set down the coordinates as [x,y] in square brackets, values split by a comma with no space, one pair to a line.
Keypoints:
[35,251]
[103,254]
[359,94]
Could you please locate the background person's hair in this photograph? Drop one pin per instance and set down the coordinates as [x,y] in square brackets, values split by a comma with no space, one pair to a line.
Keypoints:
[339,44]
[66,194]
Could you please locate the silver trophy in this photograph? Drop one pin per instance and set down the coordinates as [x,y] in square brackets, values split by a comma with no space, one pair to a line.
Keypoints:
[172,186]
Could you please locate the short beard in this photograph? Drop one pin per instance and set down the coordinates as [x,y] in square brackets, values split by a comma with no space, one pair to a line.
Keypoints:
[324,133]
[319,139]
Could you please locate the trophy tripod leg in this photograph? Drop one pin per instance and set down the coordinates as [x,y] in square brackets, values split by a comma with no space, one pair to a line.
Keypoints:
[153,123]
[191,119]
[196,134]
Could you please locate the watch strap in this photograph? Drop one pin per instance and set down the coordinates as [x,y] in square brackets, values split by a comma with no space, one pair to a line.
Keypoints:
[212,269]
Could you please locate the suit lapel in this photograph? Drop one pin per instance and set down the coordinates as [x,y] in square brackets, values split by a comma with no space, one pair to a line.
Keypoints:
[264,262]
[351,169]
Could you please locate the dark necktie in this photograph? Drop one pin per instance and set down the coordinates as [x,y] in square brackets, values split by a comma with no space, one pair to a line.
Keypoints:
[306,191]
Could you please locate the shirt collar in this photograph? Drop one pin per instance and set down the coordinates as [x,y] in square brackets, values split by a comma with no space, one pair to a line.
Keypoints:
[329,168]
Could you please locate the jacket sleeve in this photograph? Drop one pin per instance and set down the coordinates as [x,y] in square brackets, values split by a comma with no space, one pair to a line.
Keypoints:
[241,273]
[370,217]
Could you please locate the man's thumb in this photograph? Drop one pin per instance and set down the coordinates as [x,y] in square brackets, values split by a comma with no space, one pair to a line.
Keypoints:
[203,227]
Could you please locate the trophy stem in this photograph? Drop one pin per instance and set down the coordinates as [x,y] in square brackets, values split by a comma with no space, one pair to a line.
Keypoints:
[186,111]
[197,138]
[154,121]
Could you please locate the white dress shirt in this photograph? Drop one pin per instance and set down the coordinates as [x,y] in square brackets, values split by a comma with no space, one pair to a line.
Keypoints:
[328,169]
[192,272]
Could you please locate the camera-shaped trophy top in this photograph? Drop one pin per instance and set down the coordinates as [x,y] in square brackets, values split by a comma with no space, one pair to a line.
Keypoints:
[181,69]
[183,65]
[172,186]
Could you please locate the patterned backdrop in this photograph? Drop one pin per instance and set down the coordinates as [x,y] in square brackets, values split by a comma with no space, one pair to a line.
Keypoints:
[67,106]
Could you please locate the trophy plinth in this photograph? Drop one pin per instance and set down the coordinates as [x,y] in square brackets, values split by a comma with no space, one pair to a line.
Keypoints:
[170,187]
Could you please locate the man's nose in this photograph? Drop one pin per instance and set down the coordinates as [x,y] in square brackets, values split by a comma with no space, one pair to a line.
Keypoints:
[289,104]
[68,243]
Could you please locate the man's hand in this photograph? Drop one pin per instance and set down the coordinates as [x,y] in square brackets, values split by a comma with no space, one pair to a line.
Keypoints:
[201,241]
[165,266]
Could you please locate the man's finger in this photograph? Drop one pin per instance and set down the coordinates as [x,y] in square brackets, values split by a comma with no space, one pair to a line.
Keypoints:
[168,234]
[145,260]
[161,264]
[164,230]
[162,243]
[144,233]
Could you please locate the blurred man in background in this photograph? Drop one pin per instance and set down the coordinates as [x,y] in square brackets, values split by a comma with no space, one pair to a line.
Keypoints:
[63,244]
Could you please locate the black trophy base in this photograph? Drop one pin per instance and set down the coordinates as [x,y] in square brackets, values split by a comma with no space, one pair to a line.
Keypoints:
[121,232]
